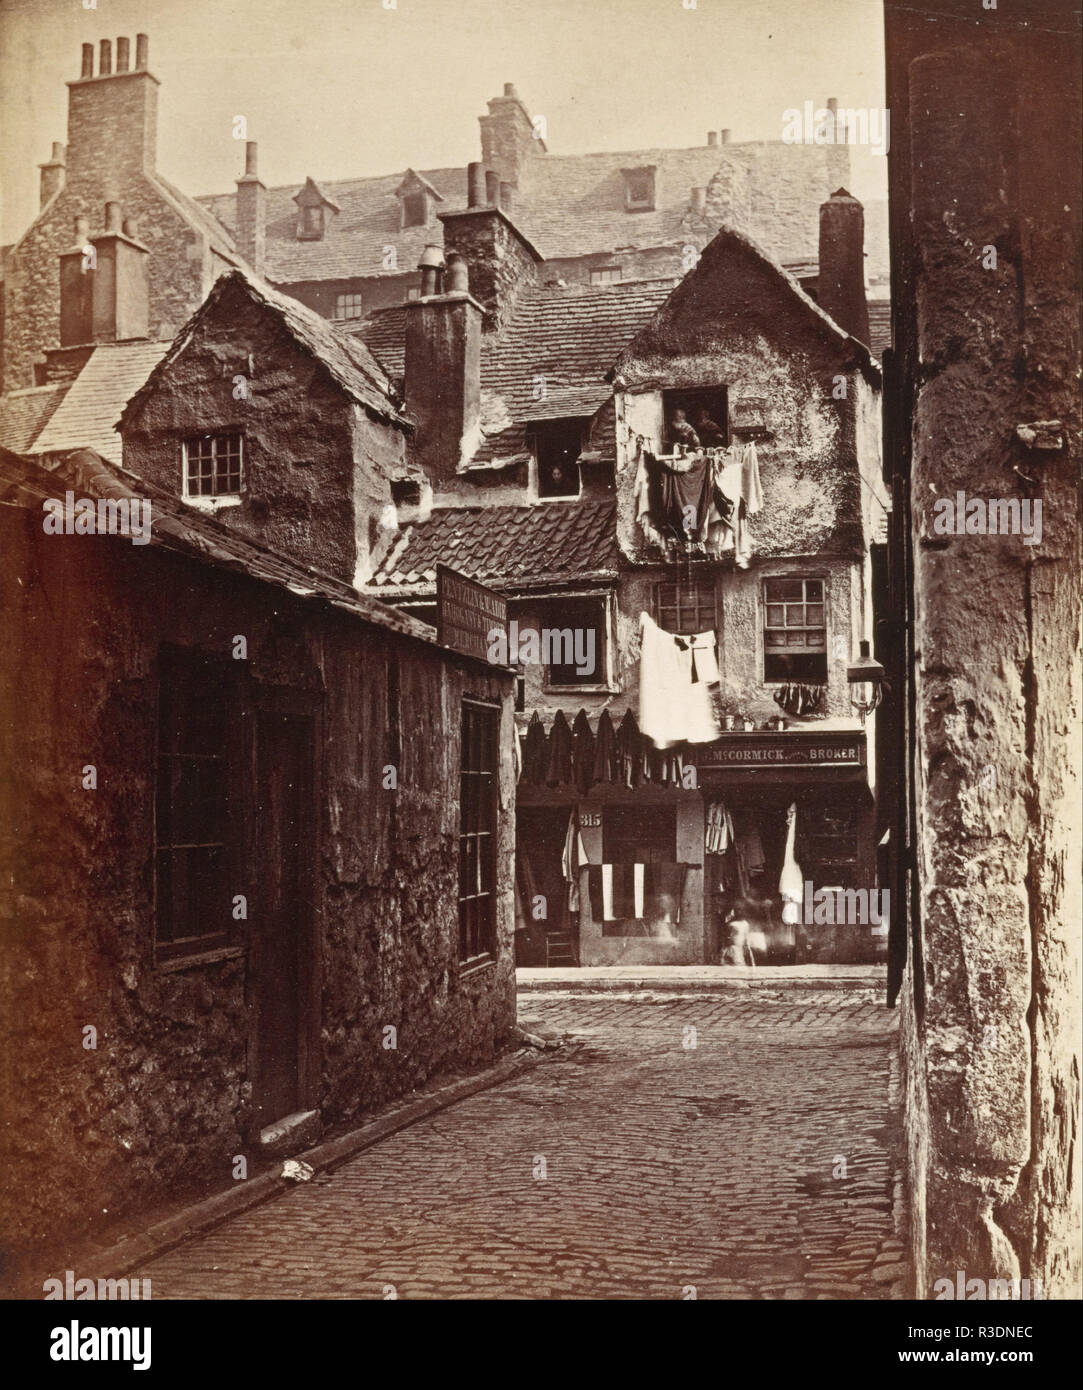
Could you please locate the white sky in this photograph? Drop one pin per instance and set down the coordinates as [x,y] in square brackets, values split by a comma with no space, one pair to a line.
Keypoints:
[335,88]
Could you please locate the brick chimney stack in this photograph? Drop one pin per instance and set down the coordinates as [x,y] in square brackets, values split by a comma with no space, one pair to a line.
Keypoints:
[252,211]
[112,117]
[103,283]
[500,258]
[443,368]
[52,173]
[842,264]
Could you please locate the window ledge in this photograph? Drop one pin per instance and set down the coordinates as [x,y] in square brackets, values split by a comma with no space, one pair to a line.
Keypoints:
[174,963]
[475,966]
[215,504]
[582,690]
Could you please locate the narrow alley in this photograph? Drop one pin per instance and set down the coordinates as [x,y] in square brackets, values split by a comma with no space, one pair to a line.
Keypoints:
[730,1145]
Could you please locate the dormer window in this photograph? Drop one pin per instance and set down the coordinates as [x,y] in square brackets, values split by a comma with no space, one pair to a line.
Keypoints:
[312,210]
[639,188]
[417,200]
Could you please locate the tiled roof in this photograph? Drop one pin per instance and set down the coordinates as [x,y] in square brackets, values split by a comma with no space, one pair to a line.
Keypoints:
[176,526]
[506,547]
[879,326]
[86,417]
[570,205]
[345,357]
[23,414]
[568,335]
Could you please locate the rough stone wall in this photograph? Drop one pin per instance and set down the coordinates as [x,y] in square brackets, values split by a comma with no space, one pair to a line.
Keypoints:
[110,155]
[163,1103]
[989,159]
[316,470]
[498,260]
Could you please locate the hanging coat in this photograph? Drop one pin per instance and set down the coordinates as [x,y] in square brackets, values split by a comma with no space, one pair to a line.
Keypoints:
[559,769]
[605,751]
[582,753]
[630,751]
[791,881]
[535,752]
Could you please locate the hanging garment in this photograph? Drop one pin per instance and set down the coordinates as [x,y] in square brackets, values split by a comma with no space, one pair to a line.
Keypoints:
[572,860]
[629,743]
[678,686]
[535,751]
[751,492]
[639,874]
[582,753]
[791,880]
[605,750]
[558,771]
[686,499]
[698,665]
[602,883]
[719,835]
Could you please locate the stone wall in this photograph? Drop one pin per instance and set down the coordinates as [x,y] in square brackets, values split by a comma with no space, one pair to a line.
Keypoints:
[986,243]
[163,1104]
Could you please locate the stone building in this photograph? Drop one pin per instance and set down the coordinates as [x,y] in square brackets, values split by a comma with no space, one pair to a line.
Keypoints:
[259,848]
[982,401]
[535,406]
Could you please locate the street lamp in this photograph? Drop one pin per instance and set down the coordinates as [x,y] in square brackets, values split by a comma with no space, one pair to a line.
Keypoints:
[866,678]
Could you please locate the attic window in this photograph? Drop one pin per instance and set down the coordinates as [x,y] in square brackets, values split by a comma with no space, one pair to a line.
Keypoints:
[558,444]
[406,492]
[348,306]
[310,227]
[639,188]
[605,275]
[415,209]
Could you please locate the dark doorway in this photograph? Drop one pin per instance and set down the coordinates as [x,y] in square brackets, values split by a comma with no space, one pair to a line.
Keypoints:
[282,930]
[553,939]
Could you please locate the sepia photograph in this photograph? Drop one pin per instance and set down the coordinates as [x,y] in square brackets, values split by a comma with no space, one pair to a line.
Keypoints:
[540,709]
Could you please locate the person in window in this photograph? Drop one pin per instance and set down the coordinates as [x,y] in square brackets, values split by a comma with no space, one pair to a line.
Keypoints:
[681,432]
[710,434]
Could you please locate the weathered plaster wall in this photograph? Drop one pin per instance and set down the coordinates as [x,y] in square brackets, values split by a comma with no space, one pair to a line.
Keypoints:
[164,1102]
[989,159]
[317,468]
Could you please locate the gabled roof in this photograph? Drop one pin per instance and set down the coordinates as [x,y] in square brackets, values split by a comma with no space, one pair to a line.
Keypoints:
[412,181]
[87,416]
[24,414]
[508,547]
[176,526]
[550,360]
[568,206]
[345,358]
[717,263]
[310,196]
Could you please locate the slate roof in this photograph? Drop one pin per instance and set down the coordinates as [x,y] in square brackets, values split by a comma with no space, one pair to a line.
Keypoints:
[570,335]
[23,414]
[176,526]
[86,417]
[570,206]
[345,357]
[507,547]
[879,326]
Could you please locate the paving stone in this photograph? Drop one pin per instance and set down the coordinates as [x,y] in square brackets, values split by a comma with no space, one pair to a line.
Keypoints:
[666,1167]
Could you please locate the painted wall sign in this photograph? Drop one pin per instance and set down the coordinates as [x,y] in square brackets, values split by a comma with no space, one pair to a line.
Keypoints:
[784,750]
[466,612]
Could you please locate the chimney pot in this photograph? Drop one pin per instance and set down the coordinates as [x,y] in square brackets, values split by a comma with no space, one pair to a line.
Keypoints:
[251,158]
[507,196]
[833,105]
[88,60]
[112,216]
[712,138]
[60,152]
[476,182]
[458,276]
[142,44]
[105,65]
[725,135]
[123,46]
[430,265]
[82,228]
[699,199]
[131,228]
[509,89]
[492,187]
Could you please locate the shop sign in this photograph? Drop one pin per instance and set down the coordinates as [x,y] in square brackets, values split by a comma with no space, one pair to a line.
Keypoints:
[785,750]
[466,612]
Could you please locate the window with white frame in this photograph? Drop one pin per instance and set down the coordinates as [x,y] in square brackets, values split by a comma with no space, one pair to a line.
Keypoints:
[686,608]
[794,630]
[606,275]
[213,466]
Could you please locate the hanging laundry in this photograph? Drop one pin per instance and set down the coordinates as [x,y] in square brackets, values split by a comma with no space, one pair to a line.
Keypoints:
[572,859]
[629,743]
[791,881]
[696,657]
[719,836]
[535,751]
[676,676]
[582,753]
[605,750]
[639,874]
[559,768]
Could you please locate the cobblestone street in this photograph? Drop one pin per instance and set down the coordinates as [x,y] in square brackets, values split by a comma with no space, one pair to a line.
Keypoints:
[752,1158]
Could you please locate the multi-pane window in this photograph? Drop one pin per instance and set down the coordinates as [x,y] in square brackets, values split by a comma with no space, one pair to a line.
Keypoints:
[348,306]
[794,630]
[606,275]
[686,608]
[477,830]
[192,829]
[213,466]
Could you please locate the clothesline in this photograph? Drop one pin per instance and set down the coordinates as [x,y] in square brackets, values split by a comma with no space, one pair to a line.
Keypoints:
[699,501]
